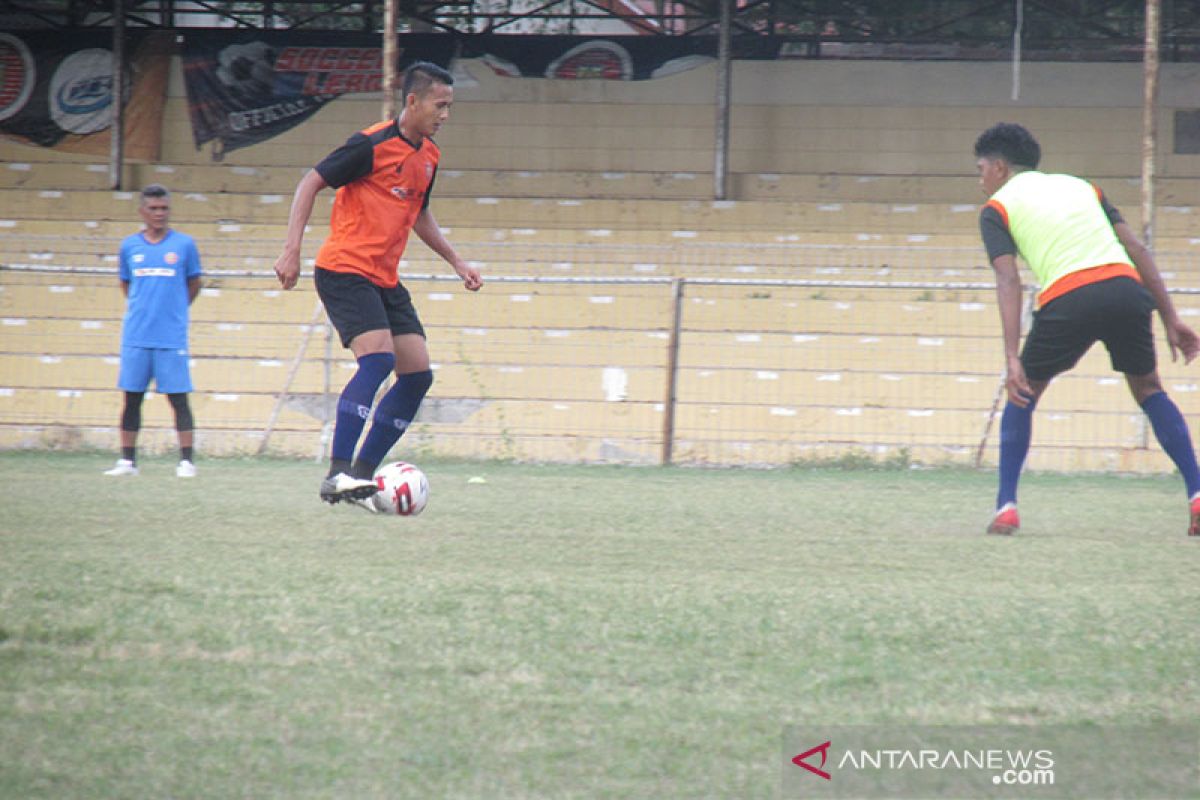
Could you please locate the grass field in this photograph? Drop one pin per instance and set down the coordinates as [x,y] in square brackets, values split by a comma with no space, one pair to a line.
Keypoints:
[559,632]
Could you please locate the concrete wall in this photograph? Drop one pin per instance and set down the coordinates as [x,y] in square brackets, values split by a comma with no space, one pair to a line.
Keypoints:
[824,117]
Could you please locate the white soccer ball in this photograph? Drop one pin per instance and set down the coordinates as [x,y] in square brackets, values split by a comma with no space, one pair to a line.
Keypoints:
[403,489]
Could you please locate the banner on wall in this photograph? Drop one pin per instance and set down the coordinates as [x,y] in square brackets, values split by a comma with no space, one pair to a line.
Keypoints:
[244,88]
[57,91]
[618,58]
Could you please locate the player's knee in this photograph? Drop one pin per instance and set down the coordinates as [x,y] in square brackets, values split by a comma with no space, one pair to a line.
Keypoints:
[1144,387]
[183,411]
[1015,423]
[377,366]
[131,415]
[420,381]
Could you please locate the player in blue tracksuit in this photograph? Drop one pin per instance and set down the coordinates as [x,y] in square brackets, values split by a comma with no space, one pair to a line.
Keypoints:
[160,277]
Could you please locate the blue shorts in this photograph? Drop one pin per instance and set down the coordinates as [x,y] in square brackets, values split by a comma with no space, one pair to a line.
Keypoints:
[167,365]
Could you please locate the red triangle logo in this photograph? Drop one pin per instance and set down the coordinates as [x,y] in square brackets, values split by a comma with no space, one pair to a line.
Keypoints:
[823,749]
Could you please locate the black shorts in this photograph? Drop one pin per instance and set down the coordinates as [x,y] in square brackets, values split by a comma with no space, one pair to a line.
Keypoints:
[1116,311]
[355,305]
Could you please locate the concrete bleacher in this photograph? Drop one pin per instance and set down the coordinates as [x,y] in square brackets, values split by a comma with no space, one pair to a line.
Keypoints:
[837,227]
[546,367]
[60,336]
[848,357]
[840,302]
[621,215]
[830,214]
[262,179]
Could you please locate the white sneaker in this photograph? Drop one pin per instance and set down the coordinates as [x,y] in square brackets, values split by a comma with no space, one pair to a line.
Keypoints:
[337,488]
[123,467]
[185,469]
[367,504]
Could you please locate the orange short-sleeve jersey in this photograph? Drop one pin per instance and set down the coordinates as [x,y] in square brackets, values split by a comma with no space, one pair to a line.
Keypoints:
[383,183]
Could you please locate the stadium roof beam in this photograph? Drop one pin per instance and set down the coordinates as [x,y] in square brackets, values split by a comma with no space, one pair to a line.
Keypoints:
[1083,19]
[976,12]
[974,25]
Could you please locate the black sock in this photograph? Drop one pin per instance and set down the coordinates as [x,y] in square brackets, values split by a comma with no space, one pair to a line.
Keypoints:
[364,470]
[338,465]
[129,453]
[185,453]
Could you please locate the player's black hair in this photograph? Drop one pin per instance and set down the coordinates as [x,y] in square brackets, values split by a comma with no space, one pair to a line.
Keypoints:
[1011,142]
[155,190]
[420,75]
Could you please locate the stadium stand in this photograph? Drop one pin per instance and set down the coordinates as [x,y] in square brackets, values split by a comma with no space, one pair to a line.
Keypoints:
[840,304]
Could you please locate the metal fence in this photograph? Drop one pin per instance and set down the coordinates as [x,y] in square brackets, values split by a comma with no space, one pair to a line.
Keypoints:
[638,370]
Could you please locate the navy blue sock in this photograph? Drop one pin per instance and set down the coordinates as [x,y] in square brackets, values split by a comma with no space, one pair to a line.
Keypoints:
[1016,431]
[354,406]
[1171,429]
[396,411]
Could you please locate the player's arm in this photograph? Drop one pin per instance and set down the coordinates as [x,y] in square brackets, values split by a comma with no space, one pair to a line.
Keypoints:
[1180,337]
[287,266]
[431,234]
[124,271]
[351,161]
[193,273]
[1002,253]
[1009,295]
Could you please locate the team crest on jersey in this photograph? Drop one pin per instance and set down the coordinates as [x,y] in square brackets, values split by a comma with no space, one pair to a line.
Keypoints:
[171,258]
[406,193]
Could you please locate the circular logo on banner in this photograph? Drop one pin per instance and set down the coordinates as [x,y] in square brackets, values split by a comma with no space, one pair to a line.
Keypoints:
[607,60]
[81,91]
[17,75]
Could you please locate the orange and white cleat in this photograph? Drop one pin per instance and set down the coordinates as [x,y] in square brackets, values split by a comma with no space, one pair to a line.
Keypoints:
[1006,522]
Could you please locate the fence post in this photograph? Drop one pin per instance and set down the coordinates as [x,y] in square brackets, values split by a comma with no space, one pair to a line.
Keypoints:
[668,435]
[287,383]
[327,401]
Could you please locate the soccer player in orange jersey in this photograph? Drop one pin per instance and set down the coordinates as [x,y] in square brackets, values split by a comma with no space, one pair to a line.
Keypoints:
[383,175]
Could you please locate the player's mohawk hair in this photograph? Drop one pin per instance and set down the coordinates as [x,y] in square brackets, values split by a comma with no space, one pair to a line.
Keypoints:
[420,75]
[1011,142]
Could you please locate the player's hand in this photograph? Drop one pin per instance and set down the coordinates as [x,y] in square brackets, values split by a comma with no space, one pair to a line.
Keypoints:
[470,276]
[1020,393]
[287,269]
[1183,340]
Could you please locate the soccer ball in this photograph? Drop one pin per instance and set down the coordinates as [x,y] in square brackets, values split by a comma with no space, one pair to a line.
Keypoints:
[403,489]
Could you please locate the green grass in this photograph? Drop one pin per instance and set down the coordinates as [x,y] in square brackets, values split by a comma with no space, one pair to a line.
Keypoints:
[559,632]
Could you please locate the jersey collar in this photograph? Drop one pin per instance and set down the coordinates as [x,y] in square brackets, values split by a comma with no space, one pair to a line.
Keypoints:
[405,139]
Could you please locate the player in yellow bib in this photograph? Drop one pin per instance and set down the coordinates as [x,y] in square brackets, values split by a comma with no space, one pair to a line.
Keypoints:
[1096,282]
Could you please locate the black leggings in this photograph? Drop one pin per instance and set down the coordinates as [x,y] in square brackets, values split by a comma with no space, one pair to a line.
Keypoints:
[131,417]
